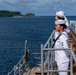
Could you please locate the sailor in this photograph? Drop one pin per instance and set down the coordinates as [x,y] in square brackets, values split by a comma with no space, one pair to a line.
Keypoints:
[61,15]
[61,56]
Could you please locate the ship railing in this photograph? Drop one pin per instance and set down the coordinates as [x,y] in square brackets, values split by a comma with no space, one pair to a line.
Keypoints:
[50,41]
[21,66]
[51,67]
[49,44]
[73,33]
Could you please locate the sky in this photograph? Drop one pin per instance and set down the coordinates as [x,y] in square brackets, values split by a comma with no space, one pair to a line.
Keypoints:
[40,7]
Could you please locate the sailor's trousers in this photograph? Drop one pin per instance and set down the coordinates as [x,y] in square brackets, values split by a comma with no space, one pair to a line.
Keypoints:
[63,66]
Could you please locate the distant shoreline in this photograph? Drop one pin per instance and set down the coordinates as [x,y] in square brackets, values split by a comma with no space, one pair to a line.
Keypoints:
[6,13]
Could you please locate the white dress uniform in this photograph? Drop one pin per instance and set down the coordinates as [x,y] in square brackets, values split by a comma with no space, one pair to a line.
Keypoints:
[62,14]
[62,56]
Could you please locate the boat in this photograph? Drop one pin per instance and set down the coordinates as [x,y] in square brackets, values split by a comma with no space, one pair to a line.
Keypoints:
[46,64]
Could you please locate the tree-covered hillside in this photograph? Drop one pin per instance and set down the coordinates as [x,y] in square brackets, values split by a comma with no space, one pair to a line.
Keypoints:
[4,13]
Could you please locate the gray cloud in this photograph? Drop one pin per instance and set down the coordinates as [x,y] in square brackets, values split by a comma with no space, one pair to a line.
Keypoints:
[20,2]
[64,5]
[27,1]
[6,3]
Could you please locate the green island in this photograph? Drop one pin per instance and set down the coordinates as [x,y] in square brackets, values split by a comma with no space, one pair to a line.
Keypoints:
[6,13]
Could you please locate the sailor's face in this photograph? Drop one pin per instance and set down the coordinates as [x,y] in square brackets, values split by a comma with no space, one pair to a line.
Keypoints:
[56,18]
[57,27]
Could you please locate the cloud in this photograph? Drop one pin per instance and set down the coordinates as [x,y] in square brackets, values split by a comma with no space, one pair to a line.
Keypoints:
[64,4]
[27,1]
[10,1]
[39,6]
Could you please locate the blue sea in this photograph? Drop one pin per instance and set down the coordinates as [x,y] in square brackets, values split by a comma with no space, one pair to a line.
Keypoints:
[14,32]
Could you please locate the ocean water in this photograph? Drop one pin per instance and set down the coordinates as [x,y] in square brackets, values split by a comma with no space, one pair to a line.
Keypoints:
[14,32]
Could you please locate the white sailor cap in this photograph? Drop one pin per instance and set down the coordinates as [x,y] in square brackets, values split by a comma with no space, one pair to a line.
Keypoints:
[60,22]
[60,14]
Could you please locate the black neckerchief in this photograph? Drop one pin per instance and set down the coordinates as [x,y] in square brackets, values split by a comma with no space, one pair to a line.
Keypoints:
[56,40]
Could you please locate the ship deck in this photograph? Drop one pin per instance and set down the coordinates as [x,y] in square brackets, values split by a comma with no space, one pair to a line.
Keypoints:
[37,71]
[72,37]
